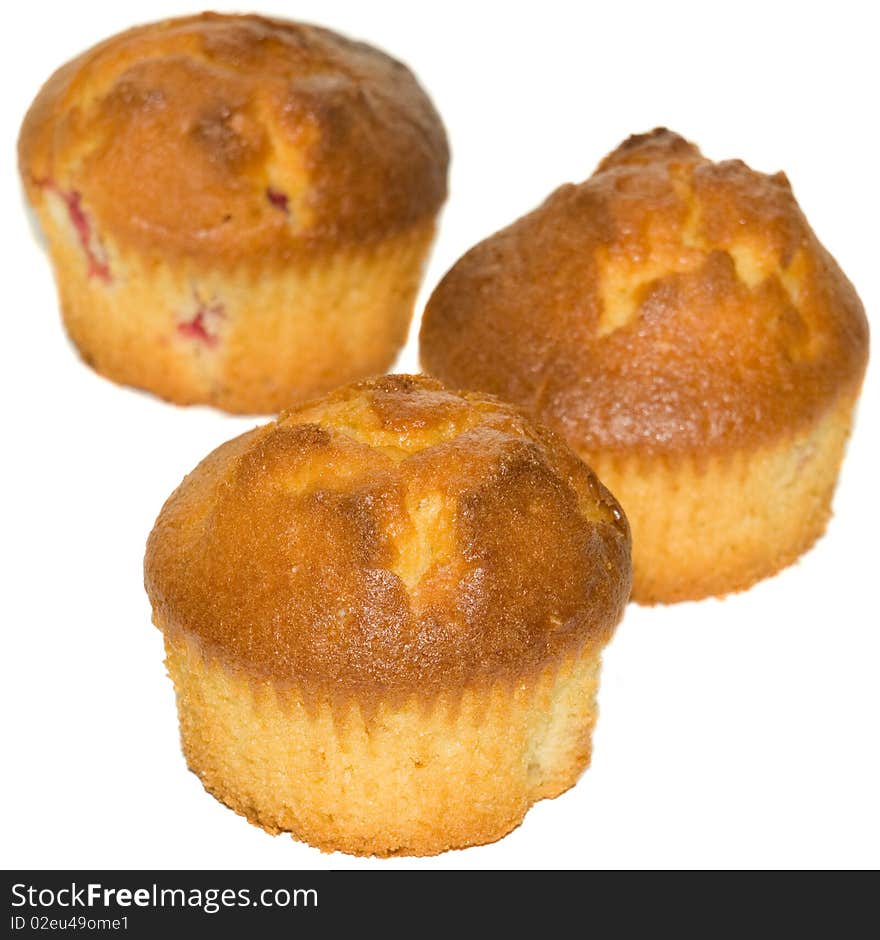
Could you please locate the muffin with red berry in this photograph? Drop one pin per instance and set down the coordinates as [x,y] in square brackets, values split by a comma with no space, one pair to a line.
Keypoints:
[238,209]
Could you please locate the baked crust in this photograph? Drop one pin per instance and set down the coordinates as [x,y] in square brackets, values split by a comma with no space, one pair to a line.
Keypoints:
[389,540]
[405,780]
[248,341]
[667,305]
[218,137]
[708,526]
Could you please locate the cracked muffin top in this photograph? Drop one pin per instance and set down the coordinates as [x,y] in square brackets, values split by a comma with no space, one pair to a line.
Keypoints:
[393,538]
[218,135]
[668,303]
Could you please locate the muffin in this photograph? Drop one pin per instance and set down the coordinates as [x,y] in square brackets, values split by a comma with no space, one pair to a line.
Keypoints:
[383,616]
[238,209]
[680,324]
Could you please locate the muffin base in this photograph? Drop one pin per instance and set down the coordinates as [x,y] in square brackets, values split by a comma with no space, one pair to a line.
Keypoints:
[253,339]
[715,525]
[411,779]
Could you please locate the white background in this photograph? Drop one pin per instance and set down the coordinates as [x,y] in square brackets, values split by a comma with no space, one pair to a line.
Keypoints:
[734,733]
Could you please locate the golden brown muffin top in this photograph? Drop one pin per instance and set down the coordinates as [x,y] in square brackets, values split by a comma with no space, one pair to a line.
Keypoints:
[666,304]
[393,538]
[219,136]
